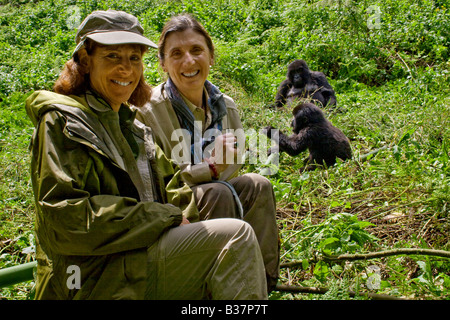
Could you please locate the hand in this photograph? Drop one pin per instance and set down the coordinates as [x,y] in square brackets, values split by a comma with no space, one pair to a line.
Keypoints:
[268,131]
[225,148]
[184,221]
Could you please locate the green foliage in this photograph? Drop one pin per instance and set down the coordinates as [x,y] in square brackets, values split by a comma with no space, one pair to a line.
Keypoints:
[352,42]
[389,64]
[338,234]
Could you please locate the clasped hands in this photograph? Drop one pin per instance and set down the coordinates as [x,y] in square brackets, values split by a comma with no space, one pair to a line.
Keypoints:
[224,153]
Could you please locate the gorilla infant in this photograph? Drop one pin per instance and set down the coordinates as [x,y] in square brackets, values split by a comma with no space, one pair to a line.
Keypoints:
[301,83]
[313,131]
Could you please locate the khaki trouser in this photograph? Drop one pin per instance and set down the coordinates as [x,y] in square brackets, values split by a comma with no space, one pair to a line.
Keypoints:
[255,192]
[218,259]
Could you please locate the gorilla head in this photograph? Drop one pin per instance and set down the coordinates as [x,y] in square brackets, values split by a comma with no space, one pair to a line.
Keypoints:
[298,73]
[305,115]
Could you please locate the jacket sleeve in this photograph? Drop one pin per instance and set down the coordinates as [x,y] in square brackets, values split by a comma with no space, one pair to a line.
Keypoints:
[75,218]
[176,191]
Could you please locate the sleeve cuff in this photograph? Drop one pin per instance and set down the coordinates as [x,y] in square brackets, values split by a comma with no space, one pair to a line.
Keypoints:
[196,174]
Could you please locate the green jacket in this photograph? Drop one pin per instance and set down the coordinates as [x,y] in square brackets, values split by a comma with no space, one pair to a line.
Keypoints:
[104,193]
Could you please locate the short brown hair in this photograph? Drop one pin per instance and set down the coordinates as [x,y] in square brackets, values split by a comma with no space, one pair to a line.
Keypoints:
[74,80]
[181,23]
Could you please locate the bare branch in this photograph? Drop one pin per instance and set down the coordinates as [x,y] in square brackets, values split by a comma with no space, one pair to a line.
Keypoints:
[314,290]
[387,253]
[372,255]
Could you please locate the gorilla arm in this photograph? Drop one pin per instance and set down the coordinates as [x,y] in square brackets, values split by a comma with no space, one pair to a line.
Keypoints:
[283,90]
[319,79]
[293,144]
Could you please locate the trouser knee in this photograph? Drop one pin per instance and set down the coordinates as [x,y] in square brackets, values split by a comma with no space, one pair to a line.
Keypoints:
[214,200]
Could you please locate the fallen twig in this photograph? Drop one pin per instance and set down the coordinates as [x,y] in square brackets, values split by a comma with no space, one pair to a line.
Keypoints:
[363,157]
[372,255]
[314,290]
[297,263]
[387,253]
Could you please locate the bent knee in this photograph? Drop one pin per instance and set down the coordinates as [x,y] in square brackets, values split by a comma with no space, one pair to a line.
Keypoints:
[256,182]
[231,228]
[212,192]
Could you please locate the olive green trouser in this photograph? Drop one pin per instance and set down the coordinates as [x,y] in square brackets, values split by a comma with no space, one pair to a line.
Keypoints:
[215,200]
[218,259]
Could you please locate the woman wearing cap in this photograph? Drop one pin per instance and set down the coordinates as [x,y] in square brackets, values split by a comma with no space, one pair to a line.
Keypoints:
[188,103]
[113,215]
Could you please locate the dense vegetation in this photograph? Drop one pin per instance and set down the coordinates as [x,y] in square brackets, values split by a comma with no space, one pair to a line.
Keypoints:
[389,64]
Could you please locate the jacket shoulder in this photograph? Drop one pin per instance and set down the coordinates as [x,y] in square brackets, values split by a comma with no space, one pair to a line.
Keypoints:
[158,95]
[157,105]
[229,102]
[39,102]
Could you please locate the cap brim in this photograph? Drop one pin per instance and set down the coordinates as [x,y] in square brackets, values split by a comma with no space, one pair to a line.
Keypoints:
[120,37]
[117,37]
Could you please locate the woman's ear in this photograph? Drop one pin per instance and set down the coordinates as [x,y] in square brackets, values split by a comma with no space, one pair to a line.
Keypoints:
[85,60]
[163,66]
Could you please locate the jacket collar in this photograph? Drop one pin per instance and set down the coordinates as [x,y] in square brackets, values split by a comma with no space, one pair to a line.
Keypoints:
[99,105]
[96,102]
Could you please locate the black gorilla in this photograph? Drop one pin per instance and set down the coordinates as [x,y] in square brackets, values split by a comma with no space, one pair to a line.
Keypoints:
[313,131]
[302,83]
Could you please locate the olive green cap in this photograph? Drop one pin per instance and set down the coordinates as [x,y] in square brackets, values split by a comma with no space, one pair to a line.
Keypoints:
[111,28]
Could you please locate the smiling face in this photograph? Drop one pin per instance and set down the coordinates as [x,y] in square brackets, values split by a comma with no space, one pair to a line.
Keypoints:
[114,72]
[187,60]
